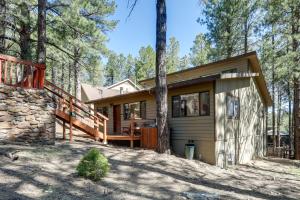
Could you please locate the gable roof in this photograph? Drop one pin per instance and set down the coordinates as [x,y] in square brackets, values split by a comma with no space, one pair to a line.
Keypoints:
[253,59]
[120,82]
[98,92]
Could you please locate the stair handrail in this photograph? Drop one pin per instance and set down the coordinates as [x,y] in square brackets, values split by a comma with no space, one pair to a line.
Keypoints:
[82,104]
[71,101]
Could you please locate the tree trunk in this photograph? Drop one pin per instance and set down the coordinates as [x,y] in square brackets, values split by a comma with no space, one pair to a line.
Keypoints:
[53,74]
[62,78]
[76,68]
[161,82]
[273,95]
[69,81]
[278,117]
[246,36]
[25,32]
[2,25]
[41,49]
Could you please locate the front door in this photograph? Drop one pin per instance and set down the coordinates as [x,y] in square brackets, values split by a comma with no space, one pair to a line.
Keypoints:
[117,118]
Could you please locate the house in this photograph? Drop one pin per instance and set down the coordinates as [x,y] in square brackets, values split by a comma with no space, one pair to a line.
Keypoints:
[89,92]
[220,107]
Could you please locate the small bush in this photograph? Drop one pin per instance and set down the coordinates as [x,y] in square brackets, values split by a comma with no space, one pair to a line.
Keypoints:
[94,165]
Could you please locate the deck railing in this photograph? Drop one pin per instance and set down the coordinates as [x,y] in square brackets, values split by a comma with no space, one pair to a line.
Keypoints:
[21,73]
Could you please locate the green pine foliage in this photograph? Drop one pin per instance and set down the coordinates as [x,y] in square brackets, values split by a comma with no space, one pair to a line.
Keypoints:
[94,165]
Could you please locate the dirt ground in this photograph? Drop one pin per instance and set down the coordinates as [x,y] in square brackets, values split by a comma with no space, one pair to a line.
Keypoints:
[48,172]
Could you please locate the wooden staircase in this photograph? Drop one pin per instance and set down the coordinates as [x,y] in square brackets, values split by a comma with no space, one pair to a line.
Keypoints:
[77,114]
[28,75]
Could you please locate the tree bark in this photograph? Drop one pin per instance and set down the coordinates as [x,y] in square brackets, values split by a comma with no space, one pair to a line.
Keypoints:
[246,36]
[2,26]
[279,117]
[41,49]
[273,95]
[25,33]
[53,75]
[76,68]
[161,81]
[69,79]
[62,78]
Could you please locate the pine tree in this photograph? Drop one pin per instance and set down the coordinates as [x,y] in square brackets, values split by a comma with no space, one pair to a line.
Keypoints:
[173,60]
[200,51]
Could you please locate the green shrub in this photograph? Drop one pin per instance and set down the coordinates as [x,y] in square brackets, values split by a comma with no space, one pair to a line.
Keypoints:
[94,165]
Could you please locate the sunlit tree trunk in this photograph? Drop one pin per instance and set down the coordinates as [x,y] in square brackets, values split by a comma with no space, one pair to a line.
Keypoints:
[41,49]
[25,32]
[161,82]
[2,25]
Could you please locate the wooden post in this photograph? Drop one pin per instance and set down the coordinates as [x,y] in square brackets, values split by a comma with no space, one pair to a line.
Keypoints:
[5,72]
[10,73]
[0,71]
[131,132]
[70,115]
[64,123]
[96,127]
[104,132]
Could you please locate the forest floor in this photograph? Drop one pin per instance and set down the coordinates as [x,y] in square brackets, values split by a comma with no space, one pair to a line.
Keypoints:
[48,172]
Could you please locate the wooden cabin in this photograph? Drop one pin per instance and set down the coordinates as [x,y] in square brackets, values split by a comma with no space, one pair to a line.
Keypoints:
[220,107]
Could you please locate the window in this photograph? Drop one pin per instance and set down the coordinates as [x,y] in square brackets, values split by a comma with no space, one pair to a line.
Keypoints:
[103,111]
[204,104]
[188,105]
[136,110]
[233,107]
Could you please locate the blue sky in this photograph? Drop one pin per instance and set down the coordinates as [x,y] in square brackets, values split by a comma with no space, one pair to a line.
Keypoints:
[139,29]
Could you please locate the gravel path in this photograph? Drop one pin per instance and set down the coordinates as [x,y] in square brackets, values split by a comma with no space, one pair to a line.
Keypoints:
[48,172]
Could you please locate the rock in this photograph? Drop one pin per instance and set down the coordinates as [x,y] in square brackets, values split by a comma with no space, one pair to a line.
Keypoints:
[3,96]
[5,125]
[23,125]
[15,109]
[29,118]
[33,122]
[6,118]
[3,113]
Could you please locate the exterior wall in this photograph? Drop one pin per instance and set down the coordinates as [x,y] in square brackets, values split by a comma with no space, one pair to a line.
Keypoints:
[126,87]
[83,96]
[150,109]
[242,65]
[26,116]
[200,129]
[239,140]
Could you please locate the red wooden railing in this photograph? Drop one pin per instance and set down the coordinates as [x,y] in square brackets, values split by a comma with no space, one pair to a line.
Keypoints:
[76,109]
[21,73]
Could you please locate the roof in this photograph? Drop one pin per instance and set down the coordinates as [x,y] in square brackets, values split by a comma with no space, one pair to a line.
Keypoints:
[126,80]
[97,92]
[252,57]
[152,90]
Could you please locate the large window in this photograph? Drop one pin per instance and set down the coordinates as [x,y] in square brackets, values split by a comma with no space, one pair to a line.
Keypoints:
[189,105]
[136,110]
[233,107]
[103,111]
